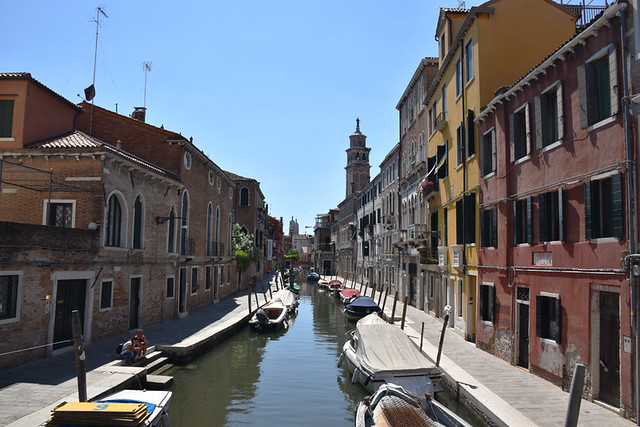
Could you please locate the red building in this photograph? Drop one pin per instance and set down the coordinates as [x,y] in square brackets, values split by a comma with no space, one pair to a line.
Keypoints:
[553,287]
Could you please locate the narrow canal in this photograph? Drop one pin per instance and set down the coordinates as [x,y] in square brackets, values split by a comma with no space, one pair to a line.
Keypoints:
[285,378]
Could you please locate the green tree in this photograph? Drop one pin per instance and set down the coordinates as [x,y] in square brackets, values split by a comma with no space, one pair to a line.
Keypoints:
[243,249]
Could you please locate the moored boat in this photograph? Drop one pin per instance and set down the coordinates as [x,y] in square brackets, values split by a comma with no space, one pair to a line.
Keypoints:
[393,406]
[272,316]
[124,408]
[361,306]
[335,285]
[288,298]
[313,277]
[293,287]
[378,352]
[348,294]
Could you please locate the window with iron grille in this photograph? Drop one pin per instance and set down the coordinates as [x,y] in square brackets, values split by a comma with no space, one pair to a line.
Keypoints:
[60,214]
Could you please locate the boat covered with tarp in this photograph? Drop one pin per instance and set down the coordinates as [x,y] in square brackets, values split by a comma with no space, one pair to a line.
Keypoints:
[361,306]
[288,298]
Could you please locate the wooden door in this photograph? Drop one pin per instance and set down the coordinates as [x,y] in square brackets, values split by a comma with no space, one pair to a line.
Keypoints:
[609,348]
[70,296]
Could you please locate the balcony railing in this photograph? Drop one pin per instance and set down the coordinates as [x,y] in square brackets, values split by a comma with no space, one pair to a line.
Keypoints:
[417,232]
[441,121]
[585,14]
[187,246]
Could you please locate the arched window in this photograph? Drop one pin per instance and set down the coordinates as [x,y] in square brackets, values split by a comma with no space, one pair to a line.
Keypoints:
[218,250]
[244,197]
[113,221]
[229,235]
[184,229]
[209,231]
[138,223]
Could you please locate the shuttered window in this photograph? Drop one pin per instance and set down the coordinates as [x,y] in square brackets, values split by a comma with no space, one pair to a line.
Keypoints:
[471,133]
[598,87]
[488,153]
[466,220]
[487,303]
[550,211]
[6,118]
[522,232]
[489,228]
[548,318]
[549,116]
[604,208]
[519,133]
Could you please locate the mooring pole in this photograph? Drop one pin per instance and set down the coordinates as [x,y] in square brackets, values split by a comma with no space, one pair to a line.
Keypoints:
[386,293]
[393,310]
[380,294]
[575,396]
[373,291]
[249,295]
[404,311]
[421,336]
[441,344]
[81,365]
[256,294]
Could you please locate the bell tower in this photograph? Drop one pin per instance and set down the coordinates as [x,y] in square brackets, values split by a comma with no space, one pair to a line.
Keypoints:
[358,167]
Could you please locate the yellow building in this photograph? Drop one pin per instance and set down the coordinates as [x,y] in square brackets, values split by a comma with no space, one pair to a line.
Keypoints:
[480,50]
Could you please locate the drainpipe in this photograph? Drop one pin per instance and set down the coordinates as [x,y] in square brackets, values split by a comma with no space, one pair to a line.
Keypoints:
[632,212]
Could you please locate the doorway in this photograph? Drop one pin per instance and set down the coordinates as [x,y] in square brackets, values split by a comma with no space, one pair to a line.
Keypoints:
[182,291]
[134,302]
[609,362]
[522,307]
[71,295]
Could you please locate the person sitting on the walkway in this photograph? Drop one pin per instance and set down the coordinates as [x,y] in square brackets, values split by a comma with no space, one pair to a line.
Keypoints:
[143,343]
[131,350]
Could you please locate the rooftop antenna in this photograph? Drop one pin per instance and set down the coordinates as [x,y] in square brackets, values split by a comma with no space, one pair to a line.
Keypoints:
[147,68]
[90,94]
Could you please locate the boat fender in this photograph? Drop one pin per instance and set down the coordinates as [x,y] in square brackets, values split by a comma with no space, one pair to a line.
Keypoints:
[354,378]
[366,381]
[340,359]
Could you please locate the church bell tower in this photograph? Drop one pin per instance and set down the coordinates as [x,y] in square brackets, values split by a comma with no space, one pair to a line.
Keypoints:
[358,167]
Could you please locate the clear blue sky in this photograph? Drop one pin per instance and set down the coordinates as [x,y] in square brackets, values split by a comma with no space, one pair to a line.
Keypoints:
[268,89]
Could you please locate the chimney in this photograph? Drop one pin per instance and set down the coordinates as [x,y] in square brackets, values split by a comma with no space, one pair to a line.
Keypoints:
[139,113]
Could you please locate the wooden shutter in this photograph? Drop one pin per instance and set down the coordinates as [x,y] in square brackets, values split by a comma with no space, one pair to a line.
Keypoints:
[493,150]
[542,217]
[613,79]
[527,129]
[529,222]
[618,206]
[582,96]
[538,112]
[539,315]
[471,133]
[494,227]
[470,218]
[516,226]
[484,235]
[560,106]
[460,221]
[587,210]
[512,142]
[558,320]
[560,216]
[491,299]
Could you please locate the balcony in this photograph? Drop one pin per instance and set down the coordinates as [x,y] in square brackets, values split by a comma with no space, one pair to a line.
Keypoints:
[187,246]
[216,249]
[428,255]
[457,256]
[417,233]
[441,121]
[443,256]
[428,189]
[585,14]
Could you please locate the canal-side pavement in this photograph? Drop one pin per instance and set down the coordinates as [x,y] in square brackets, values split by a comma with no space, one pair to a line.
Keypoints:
[29,392]
[510,396]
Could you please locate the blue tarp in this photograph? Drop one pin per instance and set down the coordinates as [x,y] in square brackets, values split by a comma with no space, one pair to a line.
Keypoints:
[362,302]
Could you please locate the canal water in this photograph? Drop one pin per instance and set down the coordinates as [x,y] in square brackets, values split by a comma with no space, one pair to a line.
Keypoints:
[285,378]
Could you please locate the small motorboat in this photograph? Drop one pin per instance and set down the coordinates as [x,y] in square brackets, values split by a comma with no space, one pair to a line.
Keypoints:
[293,287]
[378,353]
[288,298]
[335,285]
[348,294]
[272,316]
[391,405]
[124,408]
[313,277]
[361,306]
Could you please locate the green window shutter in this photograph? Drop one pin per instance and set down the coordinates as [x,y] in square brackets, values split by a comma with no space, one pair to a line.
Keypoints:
[516,226]
[527,129]
[494,227]
[529,222]
[542,217]
[582,96]
[484,235]
[460,222]
[492,303]
[613,79]
[539,316]
[618,206]
[587,210]
[558,320]
[512,142]
[537,107]
[470,218]
[560,216]
[560,110]
[471,133]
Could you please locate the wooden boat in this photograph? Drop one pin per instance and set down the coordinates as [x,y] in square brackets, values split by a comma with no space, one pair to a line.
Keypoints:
[272,316]
[313,277]
[348,294]
[393,406]
[288,298]
[295,288]
[335,285]
[124,408]
[379,353]
[361,306]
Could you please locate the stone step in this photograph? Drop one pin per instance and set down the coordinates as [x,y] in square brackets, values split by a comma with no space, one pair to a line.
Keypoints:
[156,364]
[159,382]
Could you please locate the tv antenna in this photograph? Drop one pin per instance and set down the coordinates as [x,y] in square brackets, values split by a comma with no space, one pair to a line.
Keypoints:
[90,92]
[146,67]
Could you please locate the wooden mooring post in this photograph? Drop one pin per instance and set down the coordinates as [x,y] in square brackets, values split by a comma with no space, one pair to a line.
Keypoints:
[441,344]
[81,363]
[249,295]
[421,336]
[256,294]
[386,293]
[575,396]
[404,311]
[380,295]
[393,310]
